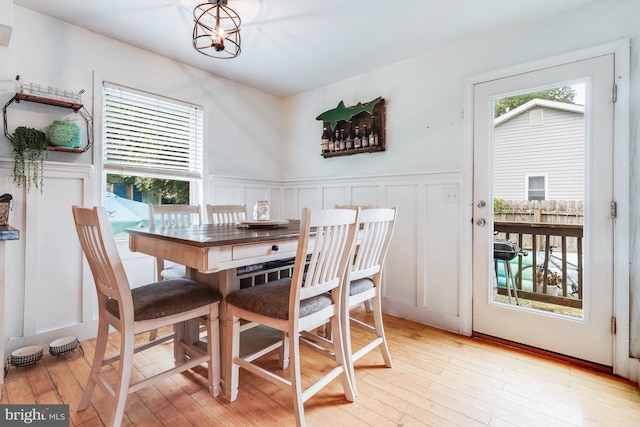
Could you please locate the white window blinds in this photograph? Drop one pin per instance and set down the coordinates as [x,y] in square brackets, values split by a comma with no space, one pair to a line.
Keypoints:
[148,134]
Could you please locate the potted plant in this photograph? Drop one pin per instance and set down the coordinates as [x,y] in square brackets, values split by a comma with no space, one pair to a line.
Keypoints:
[554,282]
[29,152]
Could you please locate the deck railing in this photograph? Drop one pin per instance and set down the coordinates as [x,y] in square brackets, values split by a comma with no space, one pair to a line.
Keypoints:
[550,247]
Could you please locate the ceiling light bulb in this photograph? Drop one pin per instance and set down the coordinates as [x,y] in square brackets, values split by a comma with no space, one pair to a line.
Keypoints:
[217,40]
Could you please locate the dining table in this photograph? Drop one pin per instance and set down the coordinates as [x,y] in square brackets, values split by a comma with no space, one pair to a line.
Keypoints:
[218,255]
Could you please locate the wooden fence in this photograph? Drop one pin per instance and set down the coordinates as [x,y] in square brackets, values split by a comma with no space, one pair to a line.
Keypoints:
[568,212]
[542,211]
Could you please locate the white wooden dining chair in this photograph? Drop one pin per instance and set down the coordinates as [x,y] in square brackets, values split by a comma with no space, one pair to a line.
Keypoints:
[365,283]
[133,311]
[226,214]
[367,303]
[173,216]
[310,298]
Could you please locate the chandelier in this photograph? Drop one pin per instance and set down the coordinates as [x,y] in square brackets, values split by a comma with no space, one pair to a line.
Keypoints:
[217,30]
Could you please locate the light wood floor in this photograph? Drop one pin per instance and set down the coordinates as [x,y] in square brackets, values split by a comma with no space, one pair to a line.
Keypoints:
[438,379]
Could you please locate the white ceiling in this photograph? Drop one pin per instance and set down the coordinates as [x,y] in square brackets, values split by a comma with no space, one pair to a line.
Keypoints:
[291,46]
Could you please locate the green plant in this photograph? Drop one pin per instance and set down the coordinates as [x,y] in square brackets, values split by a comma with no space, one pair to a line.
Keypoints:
[29,152]
[500,205]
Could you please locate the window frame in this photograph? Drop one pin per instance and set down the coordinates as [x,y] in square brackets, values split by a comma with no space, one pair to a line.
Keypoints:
[193,177]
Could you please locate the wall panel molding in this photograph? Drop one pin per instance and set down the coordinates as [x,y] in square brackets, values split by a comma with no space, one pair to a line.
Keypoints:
[422,280]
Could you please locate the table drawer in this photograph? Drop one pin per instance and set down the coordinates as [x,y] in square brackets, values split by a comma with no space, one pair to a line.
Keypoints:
[266,249]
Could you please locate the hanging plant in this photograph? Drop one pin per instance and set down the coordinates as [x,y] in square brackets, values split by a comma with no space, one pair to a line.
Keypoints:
[29,152]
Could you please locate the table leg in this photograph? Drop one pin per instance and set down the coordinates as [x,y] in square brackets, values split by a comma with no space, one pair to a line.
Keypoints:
[225,282]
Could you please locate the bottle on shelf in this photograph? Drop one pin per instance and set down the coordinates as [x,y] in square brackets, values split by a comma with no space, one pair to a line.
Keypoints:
[365,138]
[349,142]
[332,142]
[356,139]
[373,133]
[343,143]
[325,140]
[336,141]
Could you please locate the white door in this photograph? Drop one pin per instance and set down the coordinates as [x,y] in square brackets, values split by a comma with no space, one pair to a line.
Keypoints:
[586,336]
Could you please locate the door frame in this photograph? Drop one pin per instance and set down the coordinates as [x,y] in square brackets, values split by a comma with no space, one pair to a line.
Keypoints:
[621,51]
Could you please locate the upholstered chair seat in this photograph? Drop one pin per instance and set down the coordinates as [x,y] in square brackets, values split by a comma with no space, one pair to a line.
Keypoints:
[167,298]
[361,285]
[272,300]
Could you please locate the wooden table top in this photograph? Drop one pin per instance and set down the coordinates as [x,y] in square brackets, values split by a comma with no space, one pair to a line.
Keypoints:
[211,235]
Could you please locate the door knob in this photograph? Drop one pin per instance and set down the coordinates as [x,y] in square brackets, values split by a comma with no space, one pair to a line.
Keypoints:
[481,222]
[481,204]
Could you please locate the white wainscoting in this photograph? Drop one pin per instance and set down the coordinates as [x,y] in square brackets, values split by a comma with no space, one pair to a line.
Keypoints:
[422,279]
[49,291]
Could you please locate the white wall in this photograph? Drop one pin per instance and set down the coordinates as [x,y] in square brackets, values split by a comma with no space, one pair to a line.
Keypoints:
[425,108]
[49,295]
[53,53]
[424,95]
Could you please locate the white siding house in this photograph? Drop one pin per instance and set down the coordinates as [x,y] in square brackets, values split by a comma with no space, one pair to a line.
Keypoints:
[540,143]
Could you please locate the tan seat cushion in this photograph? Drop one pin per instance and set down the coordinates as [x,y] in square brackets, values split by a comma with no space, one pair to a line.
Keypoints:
[272,300]
[166,298]
[359,286]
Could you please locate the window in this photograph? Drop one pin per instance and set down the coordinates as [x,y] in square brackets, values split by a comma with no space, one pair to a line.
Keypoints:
[536,187]
[152,153]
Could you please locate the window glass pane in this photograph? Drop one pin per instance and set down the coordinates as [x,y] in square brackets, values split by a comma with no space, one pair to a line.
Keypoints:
[536,188]
[536,183]
[128,199]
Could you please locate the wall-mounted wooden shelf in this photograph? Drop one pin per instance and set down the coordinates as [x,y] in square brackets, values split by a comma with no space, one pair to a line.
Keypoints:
[353,151]
[76,106]
[359,117]
[67,150]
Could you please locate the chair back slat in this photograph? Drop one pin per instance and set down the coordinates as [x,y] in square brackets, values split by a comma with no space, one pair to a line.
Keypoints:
[377,226]
[174,215]
[97,242]
[333,240]
[226,214]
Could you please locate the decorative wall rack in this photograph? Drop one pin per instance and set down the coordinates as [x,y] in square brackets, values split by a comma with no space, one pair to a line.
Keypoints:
[340,124]
[75,105]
